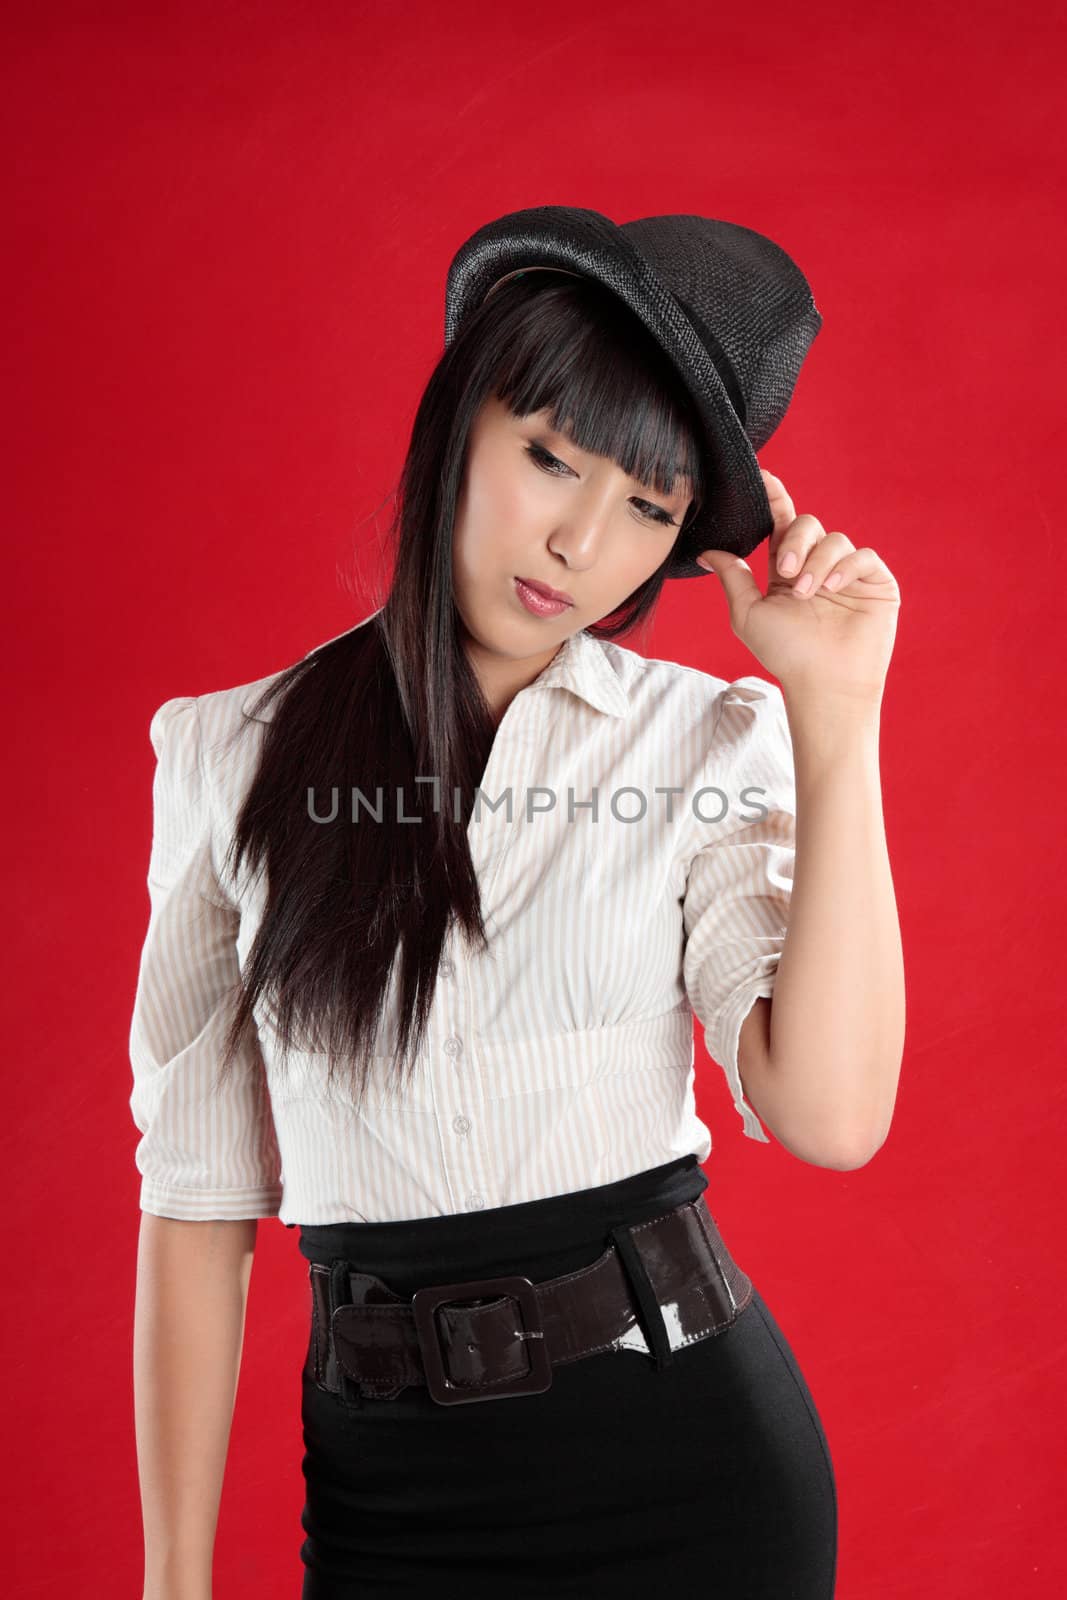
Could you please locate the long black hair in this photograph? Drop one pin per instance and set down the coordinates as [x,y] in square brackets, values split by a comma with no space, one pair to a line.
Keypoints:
[344,961]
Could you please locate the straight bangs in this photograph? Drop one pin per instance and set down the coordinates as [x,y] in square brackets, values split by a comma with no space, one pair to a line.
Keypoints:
[581,355]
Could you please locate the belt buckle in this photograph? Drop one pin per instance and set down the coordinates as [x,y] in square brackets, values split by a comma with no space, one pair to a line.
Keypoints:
[425,1302]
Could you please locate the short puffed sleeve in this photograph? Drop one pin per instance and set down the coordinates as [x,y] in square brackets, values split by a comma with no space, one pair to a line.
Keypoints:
[205,1151]
[736,903]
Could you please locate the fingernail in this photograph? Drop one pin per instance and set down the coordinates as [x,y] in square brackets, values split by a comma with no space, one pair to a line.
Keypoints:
[788,563]
[803,584]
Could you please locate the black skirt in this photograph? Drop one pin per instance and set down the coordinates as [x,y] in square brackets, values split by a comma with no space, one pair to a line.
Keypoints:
[621,1479]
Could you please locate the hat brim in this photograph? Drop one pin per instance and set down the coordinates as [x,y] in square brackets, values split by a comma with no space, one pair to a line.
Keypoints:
[572,239]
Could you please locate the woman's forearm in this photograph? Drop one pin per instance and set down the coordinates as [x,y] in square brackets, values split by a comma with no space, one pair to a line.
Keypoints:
[836,1032]
[191,1296]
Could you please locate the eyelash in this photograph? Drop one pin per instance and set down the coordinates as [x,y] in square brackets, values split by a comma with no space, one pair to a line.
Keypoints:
[542,457]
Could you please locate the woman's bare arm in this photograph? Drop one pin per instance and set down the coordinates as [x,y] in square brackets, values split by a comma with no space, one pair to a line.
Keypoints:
[191,1296]
[822,1065]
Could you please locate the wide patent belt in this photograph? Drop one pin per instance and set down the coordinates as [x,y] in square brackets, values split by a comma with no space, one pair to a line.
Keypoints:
[659,1285]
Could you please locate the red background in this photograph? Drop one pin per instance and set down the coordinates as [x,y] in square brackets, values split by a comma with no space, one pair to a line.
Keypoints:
[231,226]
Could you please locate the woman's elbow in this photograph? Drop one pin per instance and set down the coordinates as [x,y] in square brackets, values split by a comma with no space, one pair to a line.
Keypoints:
[821,1149]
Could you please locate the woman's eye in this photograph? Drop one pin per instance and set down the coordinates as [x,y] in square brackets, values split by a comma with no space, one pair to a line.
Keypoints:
[543,459]
[657,514]
[549,463]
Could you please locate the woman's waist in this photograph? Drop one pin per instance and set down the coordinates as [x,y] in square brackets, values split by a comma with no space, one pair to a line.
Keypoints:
[495,1066]
[537,1238]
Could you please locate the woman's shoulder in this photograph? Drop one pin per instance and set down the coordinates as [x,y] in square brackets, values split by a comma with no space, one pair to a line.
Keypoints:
[227,710]
[226,724]
[223,712]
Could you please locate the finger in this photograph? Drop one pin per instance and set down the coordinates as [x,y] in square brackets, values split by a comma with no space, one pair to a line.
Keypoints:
[734,573]
[779,498]
[864,565]
[855,567]
[820,562]
[790,548]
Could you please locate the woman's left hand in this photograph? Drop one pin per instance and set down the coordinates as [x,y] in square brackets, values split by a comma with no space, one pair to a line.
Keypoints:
[834,638]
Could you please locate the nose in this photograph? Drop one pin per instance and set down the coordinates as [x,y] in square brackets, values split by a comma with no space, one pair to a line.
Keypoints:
[579,536]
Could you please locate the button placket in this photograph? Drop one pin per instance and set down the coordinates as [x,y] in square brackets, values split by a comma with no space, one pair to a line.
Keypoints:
[520,735]
[458,1096]
[459,1099]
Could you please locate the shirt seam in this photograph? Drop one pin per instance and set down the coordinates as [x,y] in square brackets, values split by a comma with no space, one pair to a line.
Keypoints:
[193,1188]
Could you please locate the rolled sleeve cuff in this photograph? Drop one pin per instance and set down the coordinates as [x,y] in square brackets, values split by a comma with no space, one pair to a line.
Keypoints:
[723,1035]
[206,1205]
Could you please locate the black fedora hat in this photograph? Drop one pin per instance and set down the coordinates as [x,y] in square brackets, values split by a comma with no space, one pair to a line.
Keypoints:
[732,310]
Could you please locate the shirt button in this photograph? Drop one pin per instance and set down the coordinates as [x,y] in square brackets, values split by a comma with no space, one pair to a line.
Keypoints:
[448,969]
[461,1124]
[475,1201]
[452,1045]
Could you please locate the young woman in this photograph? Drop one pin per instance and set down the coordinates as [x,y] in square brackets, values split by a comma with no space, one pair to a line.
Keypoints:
[431,912]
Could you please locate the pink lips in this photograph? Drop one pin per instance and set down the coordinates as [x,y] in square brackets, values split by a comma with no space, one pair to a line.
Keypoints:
[540,600]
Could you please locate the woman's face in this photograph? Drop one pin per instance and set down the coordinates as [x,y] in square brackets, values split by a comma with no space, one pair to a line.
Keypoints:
[533,506]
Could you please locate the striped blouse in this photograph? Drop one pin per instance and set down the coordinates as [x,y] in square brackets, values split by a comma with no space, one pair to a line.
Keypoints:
[634,842]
